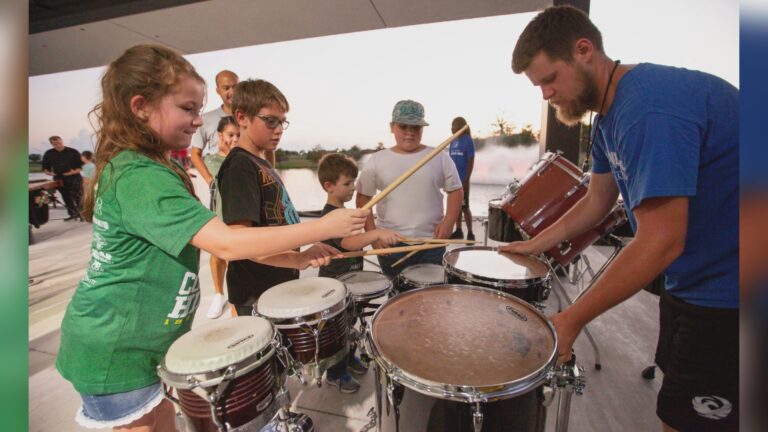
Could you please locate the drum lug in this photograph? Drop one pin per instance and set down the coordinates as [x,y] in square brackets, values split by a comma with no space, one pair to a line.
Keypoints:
[540,305]
[565,247]
[477,417]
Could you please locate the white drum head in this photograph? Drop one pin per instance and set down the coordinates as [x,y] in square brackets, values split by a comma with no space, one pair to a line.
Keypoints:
[366,283]
[301,297]
[218,344]
[491,264]
[424,274]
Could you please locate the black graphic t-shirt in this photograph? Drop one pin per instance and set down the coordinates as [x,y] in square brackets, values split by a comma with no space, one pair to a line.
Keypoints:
[340,266]
[252,190]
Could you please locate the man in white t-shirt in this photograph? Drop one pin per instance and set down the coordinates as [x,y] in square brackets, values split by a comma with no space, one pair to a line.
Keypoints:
[205,140]
[415,208]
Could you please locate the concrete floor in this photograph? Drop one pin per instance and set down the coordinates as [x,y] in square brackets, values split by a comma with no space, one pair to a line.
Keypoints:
[616,398]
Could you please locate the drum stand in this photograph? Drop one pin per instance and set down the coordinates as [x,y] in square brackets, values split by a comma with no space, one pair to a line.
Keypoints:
[618,246]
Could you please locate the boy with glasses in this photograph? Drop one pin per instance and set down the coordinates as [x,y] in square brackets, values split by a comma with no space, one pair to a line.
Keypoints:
[252,193]
[415,208]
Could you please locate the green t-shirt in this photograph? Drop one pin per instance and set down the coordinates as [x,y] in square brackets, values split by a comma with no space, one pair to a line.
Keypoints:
[140,291]
[213,163]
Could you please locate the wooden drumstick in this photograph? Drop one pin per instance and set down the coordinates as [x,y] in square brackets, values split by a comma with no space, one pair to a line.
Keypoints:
[435,240]
[413,169]
[387,251]
[402,260]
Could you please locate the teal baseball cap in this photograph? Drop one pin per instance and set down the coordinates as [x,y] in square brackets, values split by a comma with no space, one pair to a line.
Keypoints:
[409,112]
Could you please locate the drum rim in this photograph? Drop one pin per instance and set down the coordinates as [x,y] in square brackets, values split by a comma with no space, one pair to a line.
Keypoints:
[499,283]
[402,277]
[308,319]
[282,311]
[212,377]
[463,392]
[369,296]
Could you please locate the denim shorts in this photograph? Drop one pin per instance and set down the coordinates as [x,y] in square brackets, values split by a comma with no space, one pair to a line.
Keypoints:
[117,409]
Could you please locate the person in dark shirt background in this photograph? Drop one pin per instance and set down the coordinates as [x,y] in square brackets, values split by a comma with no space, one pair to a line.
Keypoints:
[64,164]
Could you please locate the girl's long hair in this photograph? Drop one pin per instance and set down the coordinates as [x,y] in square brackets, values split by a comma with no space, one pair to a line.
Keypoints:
[150,71]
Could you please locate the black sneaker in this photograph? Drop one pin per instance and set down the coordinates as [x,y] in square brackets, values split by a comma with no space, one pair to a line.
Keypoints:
[356,367]
[345,383]
[458,234]
[471,236]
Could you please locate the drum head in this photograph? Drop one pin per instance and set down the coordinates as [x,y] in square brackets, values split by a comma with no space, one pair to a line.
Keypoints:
[490,264]
[218,344]
[366,284]
[301,297]
[424,274]
[464,336]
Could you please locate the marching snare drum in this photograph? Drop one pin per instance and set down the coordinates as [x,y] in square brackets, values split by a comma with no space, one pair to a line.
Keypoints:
[311,314]
[522,276]
[460,358]
[550,188]
[420,276]
[225,375]
[500,226]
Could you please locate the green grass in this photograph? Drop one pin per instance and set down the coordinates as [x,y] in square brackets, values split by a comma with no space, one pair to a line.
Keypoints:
[296,163]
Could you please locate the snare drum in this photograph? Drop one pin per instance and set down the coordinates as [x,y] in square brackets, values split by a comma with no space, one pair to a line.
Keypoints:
[311,313]
[364,286]
[226,367]
[551,187]
[460,358]
[420,276]
[500,226]
[522,276]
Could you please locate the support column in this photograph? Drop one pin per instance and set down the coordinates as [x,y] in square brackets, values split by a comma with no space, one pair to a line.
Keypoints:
[555,136]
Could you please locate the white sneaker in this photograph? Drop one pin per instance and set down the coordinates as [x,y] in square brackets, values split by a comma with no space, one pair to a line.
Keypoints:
[217,306]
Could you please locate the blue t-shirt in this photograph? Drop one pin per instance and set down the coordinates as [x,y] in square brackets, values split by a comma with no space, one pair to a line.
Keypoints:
[675,132]
[462,149]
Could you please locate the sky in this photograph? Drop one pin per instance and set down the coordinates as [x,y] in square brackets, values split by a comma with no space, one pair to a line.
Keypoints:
[342,88]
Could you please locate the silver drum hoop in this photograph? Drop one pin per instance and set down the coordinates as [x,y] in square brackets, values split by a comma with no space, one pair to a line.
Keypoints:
[310,319]
[471,278]
[357,298]
[214,377]
[466,393]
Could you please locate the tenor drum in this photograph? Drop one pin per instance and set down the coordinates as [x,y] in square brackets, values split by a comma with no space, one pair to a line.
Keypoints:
[549,189]
[500,226]
[566,251]
[420,276]
[223,375]
[522,276]
[453,358]
[311,314]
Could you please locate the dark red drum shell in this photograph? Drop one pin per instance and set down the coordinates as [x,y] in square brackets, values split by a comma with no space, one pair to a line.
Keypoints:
[239,403]
[543,196]
[586,239]
[332,339]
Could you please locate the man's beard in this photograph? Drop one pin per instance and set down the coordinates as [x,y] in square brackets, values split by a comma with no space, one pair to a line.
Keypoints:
[571,112]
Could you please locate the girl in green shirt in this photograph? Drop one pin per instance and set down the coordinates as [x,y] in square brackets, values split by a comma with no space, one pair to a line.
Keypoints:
[141,290]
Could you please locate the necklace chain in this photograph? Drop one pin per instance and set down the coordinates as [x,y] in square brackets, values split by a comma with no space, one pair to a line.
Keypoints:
[593,131]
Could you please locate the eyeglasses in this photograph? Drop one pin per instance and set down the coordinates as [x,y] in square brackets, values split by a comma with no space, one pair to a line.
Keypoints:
[413,128]
[273,122]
